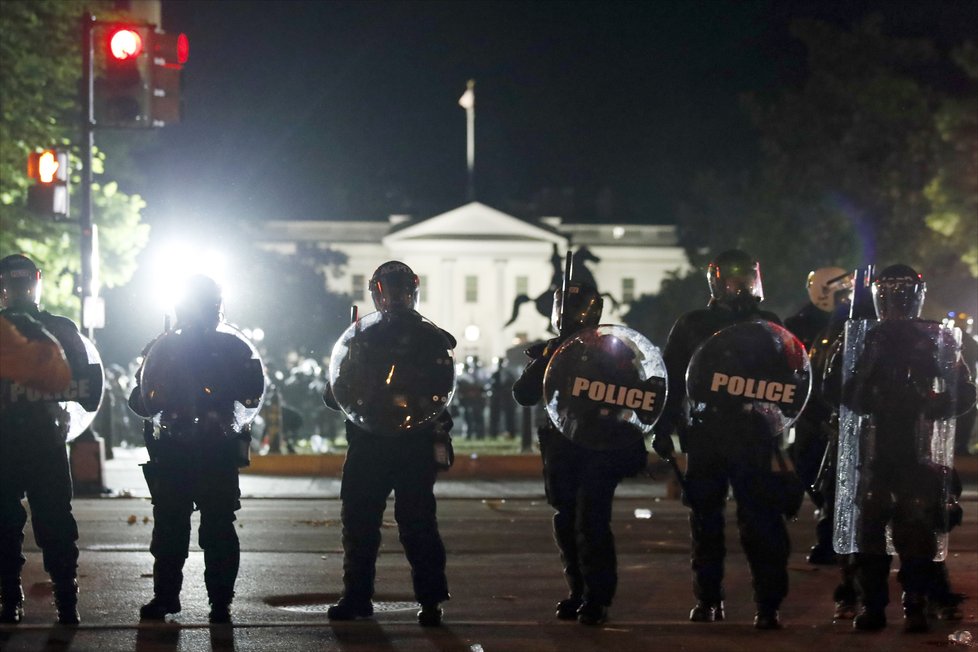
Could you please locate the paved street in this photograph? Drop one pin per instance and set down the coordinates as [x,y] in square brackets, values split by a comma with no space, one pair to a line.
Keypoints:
[503,570]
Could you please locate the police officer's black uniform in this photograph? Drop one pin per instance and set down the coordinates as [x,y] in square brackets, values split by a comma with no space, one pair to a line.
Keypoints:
[726,453]
[405,463]
[892,382]
[194,457]
[580,482]
[34,461]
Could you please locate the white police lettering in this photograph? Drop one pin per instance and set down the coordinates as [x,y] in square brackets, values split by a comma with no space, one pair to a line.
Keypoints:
[767,390]
[630,397]
[77,390]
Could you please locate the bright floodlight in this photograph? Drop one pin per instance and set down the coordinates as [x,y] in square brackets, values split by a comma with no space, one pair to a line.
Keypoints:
[178,261]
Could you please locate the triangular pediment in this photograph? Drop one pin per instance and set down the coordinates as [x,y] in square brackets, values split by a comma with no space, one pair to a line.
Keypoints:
[475,221]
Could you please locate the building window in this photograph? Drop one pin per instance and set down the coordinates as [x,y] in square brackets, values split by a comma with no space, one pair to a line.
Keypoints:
[471,289]
[422,288]
[628,290]
[522,285]
[357,288]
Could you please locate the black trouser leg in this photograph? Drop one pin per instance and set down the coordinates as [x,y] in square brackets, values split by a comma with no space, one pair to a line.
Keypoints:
[415,512]
[872,579]
[596,542]
[364,490]
[222,553]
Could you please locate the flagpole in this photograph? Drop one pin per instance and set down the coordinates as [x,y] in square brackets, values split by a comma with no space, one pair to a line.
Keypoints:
[467,101]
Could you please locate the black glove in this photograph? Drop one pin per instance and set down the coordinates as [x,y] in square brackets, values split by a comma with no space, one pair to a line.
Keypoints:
[663,446]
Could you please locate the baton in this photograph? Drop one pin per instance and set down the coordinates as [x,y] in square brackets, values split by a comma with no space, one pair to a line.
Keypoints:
[568,272]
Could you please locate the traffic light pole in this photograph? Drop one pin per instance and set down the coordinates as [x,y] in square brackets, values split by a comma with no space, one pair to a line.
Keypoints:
[88,143]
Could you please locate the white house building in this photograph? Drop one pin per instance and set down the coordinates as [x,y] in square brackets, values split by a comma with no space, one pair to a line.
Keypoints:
[474,261]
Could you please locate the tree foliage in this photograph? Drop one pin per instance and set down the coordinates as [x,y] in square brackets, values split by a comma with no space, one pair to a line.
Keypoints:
[40,72]
[869,160]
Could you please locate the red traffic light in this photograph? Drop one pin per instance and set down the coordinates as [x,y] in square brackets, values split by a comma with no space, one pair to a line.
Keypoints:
[125,44]
[183,49]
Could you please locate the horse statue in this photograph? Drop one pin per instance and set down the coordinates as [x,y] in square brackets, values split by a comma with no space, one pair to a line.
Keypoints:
[545,301]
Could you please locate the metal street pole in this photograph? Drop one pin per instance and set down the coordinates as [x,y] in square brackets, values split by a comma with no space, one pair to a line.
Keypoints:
[467,102]
[87,144]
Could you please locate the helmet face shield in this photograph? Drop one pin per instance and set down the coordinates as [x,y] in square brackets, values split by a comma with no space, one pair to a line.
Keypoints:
[394,287]
[584,306]
[829,287]
[733,276]
[20,281]
[898,293]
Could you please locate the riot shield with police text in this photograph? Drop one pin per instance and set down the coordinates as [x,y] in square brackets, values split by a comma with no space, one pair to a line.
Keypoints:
[605,387]
[392,373]
[194,380]
[74,408]
[896,435]
[752,368]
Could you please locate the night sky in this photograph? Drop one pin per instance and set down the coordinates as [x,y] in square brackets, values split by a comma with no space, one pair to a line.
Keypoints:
[349,110]
[596,111]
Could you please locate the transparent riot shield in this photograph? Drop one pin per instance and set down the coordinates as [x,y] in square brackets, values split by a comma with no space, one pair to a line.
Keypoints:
[896,435]
[197,380]
[75,408]
[84,396]
[605,387]
[392,373]
[756,368]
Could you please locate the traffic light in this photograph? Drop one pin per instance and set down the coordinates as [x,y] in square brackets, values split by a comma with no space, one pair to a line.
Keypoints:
[122,87]
[170,52]
[138,75]
[48,197]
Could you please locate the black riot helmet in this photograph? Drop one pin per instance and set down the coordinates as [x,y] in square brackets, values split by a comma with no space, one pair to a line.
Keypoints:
[582,310]
[200,303]
[394,287]
[898,293]
[735,277]
[20,282]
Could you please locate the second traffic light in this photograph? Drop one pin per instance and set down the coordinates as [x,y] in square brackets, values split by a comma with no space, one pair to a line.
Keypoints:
[48,196]
[138,76]
[122,87]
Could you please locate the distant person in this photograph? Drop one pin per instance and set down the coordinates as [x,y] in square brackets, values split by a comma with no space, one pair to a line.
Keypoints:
[502,407]
[725,452]
[580,482]
[33,458]
[196,381]
[830,292]
[401,459]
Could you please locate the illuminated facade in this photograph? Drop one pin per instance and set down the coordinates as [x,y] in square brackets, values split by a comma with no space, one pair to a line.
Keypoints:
[474,261]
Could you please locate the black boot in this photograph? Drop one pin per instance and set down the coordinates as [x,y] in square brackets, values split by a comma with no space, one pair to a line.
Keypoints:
[915,613]
[767,617]
[220,601]
[707,611]
[66,601]
[870,619]
[568,607]
[430,615]
[592,614]
[11,601]
[349,610]
[167,582]
[220,613]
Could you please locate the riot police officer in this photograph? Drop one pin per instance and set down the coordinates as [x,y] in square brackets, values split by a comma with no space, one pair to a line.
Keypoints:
[580,482]
[194,380]
[405,462]
[728,452]
[33,459]
[907,377]
[829,291]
